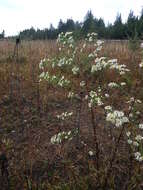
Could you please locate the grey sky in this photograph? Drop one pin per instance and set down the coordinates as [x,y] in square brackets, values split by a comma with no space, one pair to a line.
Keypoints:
[17,15]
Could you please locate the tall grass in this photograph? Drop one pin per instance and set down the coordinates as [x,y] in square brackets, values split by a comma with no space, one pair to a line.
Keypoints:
[100,158]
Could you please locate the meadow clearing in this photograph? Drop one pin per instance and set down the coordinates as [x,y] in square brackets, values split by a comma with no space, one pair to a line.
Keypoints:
[82,131]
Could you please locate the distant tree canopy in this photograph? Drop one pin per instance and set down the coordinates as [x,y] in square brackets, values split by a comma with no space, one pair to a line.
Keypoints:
[2,35]
[117,30]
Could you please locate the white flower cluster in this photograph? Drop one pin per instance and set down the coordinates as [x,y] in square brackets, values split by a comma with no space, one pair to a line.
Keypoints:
[141,65]
[93,54]
[138,156]
[113,85]
[138,138]
[98,47]
[66,39]
[141,45]
[141,126]
[83,47]
[63,61]
[70,94]
[115,65]
[101,63]
[99,42]
[75,70]
[53,79]
[107,95]
[132,99]
[122,83]
[94,99]
[41,64]
[116,117]
[63,82]
[82,83]
[133,113]
[44,62]
[128,134]
[62,136]
[45,76]
[91,153]
[136,142]
[58,138]
[108,108]
[53,62]
[64,115]
[91,37]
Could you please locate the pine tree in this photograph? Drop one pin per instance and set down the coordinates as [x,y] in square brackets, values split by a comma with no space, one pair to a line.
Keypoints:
[88,24]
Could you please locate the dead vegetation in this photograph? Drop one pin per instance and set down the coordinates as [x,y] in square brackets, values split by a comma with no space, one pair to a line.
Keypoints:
[28,120]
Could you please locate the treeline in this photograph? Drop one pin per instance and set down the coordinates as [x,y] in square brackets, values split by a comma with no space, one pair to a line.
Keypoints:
[117,30]
[2,35]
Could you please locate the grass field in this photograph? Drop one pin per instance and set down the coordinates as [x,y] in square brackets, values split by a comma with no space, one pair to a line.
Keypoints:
[99,156]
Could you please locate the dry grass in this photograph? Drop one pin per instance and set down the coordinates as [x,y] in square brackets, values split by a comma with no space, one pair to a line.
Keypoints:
[27,122]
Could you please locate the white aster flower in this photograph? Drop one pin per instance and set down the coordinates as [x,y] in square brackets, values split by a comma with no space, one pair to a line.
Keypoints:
[141,126]
[112,85]
[130,115]
[117,118]
[82,83]
[128,133]
[138,112]
[138,138]
[99,42]
[141,65]
[138,156]
[86,97]
[140,159]
[123,83]
[130,141]
[70,95]
[107,95]
[138,101]
[75,70]
[90,153]
[108,108]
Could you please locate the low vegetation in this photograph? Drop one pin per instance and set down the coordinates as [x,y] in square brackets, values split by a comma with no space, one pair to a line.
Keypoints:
[71,115]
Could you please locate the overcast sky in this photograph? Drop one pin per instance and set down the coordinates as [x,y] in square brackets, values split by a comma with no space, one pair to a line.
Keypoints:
[16,15]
